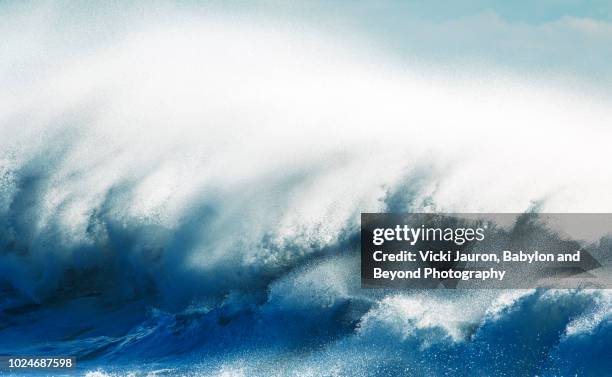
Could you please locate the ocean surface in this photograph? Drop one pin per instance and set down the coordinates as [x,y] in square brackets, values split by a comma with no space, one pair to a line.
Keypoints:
[220,293]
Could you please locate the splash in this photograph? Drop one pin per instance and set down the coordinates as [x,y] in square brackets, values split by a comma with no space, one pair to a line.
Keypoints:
[195,187]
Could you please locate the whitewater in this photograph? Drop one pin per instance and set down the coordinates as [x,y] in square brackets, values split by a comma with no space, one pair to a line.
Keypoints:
[180,195]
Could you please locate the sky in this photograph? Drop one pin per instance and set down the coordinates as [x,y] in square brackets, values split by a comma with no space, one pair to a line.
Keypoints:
[567,40]
[564,41]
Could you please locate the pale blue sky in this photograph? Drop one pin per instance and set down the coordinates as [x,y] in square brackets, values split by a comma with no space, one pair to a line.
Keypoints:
[565,40]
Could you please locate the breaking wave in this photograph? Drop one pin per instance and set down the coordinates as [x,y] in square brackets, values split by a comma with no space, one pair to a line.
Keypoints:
[185,198]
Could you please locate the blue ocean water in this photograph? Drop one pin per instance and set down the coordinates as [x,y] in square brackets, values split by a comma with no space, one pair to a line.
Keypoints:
[127,304]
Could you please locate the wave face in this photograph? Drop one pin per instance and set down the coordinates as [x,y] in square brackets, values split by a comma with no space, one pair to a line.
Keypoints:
[182,197]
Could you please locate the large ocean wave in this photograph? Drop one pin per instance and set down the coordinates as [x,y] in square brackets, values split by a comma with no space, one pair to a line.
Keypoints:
[185,198]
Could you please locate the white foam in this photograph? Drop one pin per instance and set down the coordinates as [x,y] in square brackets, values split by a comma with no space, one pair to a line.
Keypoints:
[283,135]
